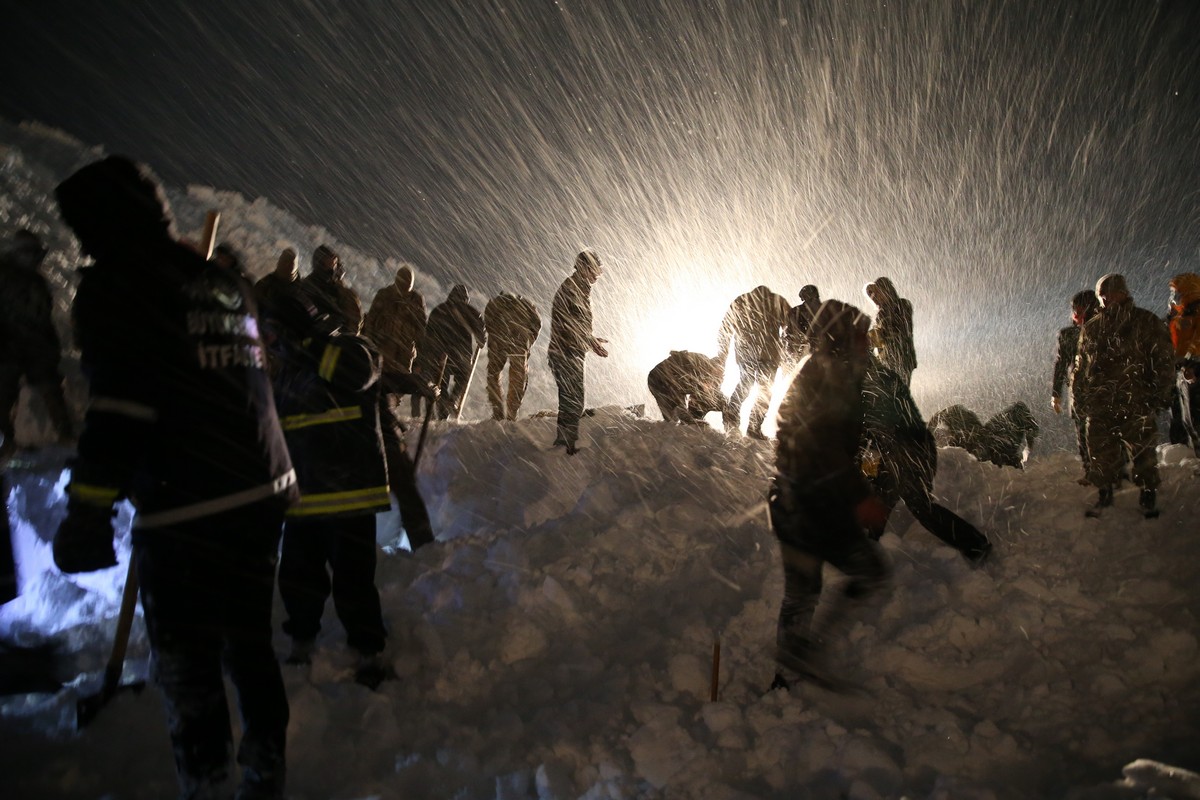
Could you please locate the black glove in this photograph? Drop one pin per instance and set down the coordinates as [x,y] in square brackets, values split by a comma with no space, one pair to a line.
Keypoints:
[84,542]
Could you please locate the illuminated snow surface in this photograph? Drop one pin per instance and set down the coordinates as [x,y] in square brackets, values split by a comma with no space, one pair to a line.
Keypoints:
[557,640]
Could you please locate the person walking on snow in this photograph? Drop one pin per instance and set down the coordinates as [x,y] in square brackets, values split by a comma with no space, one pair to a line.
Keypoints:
[1123,376]
[180,421]
[756,323]
[822,507]
[571,339]
[512,325]
[900,459]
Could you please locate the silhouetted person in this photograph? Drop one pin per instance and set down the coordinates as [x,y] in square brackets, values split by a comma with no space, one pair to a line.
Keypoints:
[822,507]
[571,339]
[181,423]
[756,323]
[687,386]
[799,321]
[513,325]
[1084,306]
[455,333]
[892,335]
[326,288]
[284,278]
[905,462]
[327,391]
[29,343]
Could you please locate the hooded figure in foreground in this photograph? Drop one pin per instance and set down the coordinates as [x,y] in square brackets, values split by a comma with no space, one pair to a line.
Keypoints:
[181,422]
[822,507]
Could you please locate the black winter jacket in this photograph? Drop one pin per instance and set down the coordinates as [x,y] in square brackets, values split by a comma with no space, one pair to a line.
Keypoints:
[181,418]
[328,392]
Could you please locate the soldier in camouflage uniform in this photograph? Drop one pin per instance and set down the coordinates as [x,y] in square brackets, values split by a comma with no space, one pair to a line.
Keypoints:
[1123,376]
[1084,306]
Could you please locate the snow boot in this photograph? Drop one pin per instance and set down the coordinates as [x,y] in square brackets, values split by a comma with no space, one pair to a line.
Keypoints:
[373,670]
[302,651]
[1103,501]
[978,556]
[1148,500]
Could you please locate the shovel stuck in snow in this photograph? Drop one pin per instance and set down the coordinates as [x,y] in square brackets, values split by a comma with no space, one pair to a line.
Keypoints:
[86,708]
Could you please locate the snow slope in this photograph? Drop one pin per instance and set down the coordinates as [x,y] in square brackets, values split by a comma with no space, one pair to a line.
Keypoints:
[557,640]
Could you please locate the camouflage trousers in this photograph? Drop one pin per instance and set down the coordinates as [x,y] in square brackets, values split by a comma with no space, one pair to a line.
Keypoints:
[1113,439]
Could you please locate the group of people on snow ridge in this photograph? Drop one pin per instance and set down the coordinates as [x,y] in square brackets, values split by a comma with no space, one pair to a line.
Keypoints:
[255,429]
[1120,365]
[234,415]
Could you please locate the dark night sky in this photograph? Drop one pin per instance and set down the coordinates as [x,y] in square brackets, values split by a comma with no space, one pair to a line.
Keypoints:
[993,157]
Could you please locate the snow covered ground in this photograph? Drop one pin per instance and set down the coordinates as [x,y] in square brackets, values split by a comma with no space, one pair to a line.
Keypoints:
[557,641]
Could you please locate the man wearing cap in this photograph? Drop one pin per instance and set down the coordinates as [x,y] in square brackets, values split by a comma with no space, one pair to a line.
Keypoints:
[1124,375]
[570,340]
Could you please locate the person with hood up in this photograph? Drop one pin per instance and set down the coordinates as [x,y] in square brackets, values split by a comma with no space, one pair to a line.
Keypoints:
[1184,321]
[282,279]
[1084,306]
[327,290]
[822,507]
[327,391]
[756,323]
[395,323]
[1124,374]
[456,334]
[799,321]
[571,339]
[687,386]
[29,343]
[181,422]
[892,336]
[900,460]
[512,325]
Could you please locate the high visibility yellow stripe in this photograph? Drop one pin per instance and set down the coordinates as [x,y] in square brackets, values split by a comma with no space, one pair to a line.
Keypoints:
[340,502]
[329,362]
[93,495]
[291,423]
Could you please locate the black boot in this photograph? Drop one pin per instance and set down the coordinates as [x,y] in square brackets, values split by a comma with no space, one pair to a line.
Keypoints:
[1148,500]
[1104,500]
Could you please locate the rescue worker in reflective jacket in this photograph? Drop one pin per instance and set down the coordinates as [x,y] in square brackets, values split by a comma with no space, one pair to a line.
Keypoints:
[900,459]
[687,386]
[327,389]
[822,507]
[182,423]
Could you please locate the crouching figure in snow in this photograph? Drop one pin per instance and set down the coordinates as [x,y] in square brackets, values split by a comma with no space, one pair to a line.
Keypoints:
[822,507]
[687,386]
